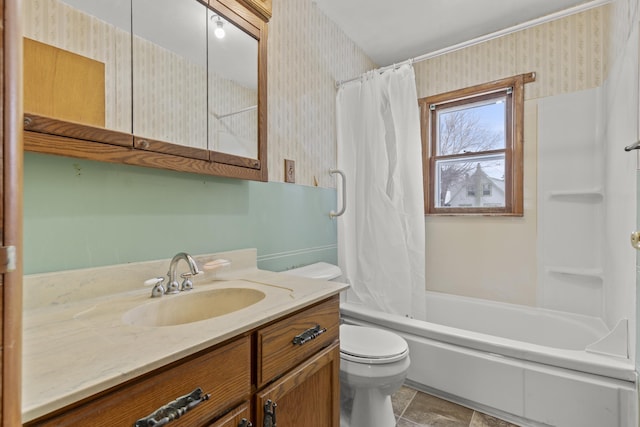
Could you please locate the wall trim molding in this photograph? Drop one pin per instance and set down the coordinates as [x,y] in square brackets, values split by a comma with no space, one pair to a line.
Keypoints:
[296,252]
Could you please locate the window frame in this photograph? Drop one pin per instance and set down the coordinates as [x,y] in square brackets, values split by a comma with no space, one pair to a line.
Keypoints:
[514,143]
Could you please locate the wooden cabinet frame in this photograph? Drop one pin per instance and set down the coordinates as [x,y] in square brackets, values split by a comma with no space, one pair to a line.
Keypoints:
[51,136]
[11,212]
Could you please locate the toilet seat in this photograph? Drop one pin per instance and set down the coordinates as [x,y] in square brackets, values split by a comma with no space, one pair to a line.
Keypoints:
[361,344]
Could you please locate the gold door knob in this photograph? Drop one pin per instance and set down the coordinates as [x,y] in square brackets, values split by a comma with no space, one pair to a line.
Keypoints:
[635,239]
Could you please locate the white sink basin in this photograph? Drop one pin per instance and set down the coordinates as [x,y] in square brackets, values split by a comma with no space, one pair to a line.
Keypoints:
[183,308]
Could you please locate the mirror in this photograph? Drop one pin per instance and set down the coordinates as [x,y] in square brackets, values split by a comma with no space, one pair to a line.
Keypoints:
[77,61]
[170,75]
[233,88]
[165,93]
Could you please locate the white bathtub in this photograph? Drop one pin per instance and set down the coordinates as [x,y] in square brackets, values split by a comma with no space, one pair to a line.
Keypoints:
[529,366]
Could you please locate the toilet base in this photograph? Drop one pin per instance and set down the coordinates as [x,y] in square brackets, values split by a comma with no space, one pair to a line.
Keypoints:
[368,408]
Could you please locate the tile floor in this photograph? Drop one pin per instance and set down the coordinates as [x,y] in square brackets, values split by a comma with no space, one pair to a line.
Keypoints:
[417,409]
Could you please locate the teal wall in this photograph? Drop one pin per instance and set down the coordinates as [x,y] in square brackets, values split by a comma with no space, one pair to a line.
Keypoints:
[80,213]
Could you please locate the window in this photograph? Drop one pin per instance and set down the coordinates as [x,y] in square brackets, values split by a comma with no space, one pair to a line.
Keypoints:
[471,190]
[472,149]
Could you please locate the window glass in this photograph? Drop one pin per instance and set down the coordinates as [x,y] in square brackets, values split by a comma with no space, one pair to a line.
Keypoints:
[468,183]
[473,149]
[472,128]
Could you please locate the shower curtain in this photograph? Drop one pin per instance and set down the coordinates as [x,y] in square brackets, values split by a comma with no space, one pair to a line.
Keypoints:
[381,235]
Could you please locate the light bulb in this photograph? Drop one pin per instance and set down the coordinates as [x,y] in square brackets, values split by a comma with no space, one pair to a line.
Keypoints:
[219,31]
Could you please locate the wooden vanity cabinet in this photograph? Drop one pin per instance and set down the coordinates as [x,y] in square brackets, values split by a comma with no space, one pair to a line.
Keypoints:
[223,372]
[287,362]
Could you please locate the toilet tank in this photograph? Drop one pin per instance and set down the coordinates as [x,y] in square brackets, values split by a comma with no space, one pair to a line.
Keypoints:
[318,270]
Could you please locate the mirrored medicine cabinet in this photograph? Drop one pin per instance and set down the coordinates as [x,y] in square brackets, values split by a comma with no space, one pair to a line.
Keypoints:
[171,84]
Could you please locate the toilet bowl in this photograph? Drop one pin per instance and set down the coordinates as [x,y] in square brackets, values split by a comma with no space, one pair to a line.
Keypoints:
[373,364]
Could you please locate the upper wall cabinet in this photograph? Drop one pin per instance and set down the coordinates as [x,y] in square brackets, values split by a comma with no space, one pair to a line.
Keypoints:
[149,83]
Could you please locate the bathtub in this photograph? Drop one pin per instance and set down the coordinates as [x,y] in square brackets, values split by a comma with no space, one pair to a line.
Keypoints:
[533,367]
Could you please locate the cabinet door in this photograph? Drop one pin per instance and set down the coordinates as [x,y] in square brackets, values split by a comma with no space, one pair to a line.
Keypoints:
[236,418]
[308,396]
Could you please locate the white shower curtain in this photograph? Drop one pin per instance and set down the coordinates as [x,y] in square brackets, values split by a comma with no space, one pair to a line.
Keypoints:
[381,235]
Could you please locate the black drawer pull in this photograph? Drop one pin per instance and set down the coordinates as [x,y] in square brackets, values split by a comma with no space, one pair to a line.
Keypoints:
[308,335]
[173,410]
[269,414]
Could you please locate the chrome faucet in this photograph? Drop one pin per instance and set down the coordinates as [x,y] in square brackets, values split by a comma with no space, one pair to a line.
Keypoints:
[187,284]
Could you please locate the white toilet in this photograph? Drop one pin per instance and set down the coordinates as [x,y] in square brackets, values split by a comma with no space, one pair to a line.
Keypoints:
[373,364]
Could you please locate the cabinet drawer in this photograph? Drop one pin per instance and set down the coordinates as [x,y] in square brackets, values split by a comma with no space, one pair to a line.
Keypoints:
[224,373]
[276,350]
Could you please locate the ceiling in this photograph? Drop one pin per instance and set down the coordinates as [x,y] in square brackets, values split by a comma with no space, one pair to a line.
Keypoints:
[393,31]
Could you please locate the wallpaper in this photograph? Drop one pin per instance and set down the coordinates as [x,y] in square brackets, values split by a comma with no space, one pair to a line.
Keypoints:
[307,55]
[567,55]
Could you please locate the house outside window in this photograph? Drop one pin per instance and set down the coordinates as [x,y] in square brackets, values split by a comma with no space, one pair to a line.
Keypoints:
[472,149]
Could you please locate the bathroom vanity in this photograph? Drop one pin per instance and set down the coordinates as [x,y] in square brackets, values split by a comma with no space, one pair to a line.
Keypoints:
[104,360]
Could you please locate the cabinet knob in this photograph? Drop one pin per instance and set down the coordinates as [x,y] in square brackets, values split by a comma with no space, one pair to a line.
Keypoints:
[245,423]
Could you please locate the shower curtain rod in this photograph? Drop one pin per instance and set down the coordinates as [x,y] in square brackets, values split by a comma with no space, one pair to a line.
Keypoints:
[552,17]
[381,70]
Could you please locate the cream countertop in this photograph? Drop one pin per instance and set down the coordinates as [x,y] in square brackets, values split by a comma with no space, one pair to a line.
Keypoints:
[75,343]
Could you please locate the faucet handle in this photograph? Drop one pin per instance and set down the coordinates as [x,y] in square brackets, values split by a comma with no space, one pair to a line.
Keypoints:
[172,287]
[158,289]
[187,284]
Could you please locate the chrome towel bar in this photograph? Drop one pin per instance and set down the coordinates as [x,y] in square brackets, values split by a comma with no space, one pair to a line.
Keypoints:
[334,214]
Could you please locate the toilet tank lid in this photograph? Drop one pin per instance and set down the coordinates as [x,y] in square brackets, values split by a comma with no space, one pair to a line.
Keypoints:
[318,270]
